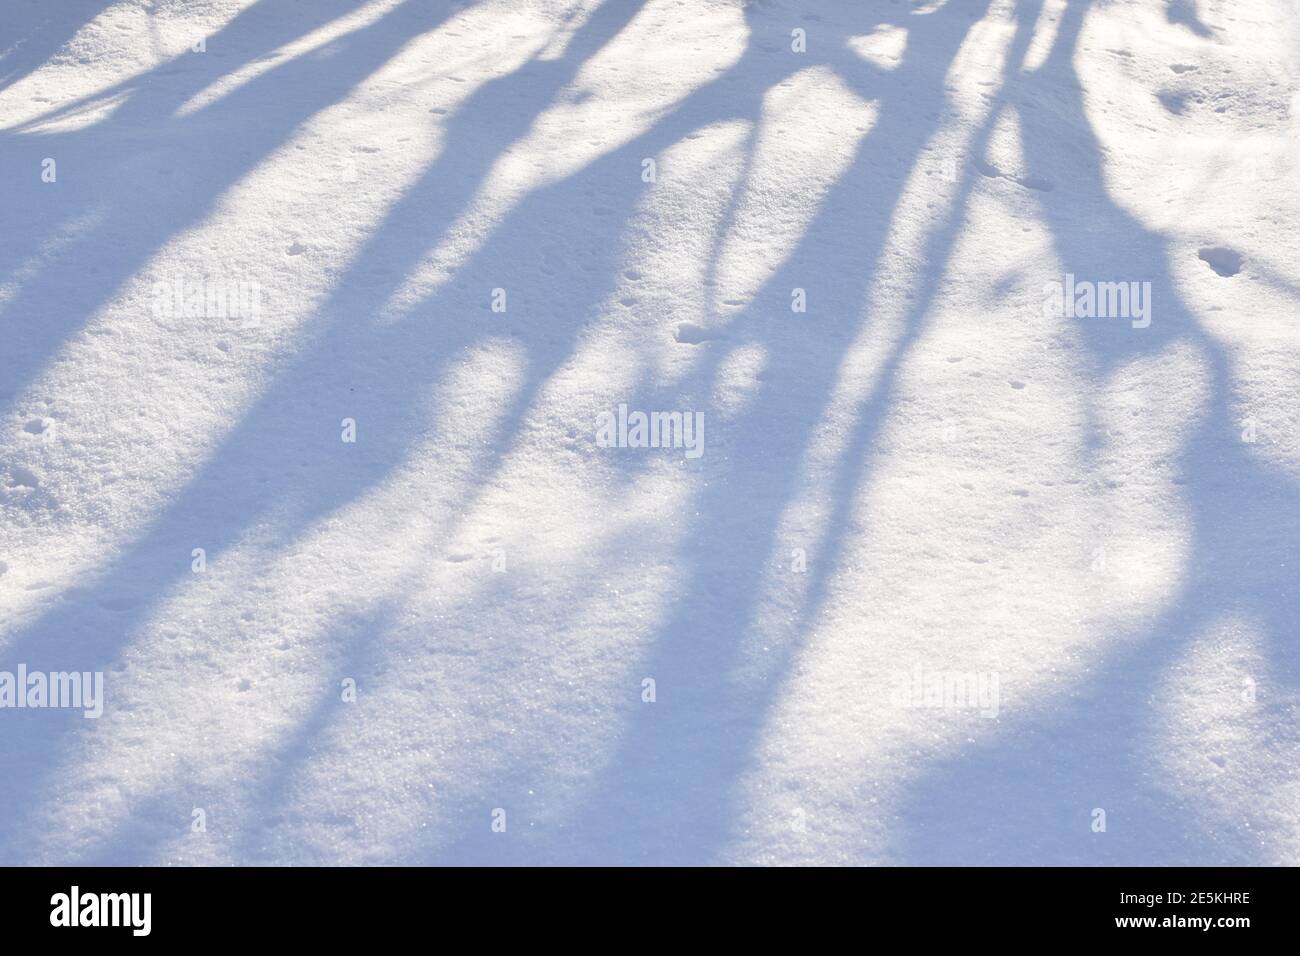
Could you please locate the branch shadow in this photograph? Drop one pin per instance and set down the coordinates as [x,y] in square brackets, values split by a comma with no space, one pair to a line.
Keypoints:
[30,45]
[669,792]
[1026,796]
[122,193]
[360,370]
[671,787]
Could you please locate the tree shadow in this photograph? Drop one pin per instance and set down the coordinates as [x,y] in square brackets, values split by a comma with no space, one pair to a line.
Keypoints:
[669,792]
[221,499]
[1184,13]
[123,192]
[29,45]
[361,370]
[87,628]
[1026,795]
[241,821]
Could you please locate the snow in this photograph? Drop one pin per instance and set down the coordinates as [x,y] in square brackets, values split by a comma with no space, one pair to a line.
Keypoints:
[957,579]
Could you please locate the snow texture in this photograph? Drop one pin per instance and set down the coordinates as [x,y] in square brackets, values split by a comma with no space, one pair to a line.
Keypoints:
[328,327]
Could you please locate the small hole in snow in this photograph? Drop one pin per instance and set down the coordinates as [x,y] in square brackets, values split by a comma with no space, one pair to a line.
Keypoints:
[1223,261]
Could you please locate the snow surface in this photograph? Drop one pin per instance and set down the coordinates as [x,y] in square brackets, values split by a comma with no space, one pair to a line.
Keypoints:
[926,469]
